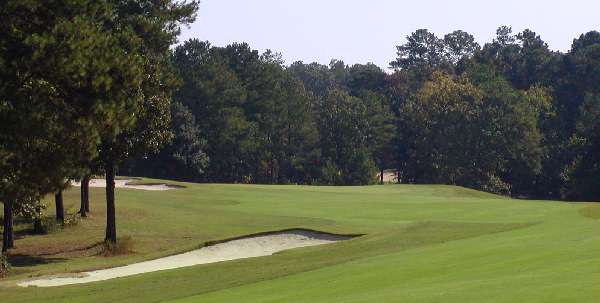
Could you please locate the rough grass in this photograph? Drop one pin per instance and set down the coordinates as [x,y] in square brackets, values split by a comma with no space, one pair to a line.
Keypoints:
[422,244]
[124,245]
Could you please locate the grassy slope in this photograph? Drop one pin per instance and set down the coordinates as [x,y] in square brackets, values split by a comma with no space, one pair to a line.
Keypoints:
[423,244]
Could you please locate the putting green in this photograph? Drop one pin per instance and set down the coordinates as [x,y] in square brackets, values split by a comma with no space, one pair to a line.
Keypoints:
[422,244]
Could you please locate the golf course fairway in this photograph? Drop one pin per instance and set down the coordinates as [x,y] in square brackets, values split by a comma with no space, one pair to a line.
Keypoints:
[420,243]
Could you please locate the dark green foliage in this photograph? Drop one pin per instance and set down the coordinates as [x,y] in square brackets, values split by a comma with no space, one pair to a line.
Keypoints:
[459,46]
[215,96]
[87,85]
[63,78]
[317,78]
[537,101]
[582,174]
[183,158]
[344,130]
[147,29]
[255,116]
[423,53]
[187,146]
[502,117]
[481,135]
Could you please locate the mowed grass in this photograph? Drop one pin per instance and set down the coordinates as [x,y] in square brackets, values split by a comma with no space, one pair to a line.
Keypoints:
[421,244]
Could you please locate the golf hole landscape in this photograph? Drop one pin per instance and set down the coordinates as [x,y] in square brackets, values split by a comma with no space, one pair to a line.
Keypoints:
[314,151]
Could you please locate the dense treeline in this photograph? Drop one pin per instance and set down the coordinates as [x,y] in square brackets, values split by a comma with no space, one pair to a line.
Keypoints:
[253,120]
[509,117]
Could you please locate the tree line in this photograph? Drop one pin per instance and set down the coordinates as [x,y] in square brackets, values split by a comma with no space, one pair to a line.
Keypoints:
[510,116]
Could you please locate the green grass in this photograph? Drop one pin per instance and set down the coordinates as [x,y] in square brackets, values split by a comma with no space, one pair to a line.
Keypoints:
[422,244]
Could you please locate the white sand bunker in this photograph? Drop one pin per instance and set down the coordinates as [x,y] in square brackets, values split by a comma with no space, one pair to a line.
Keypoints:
[125,184]
[247,247]
[389,176]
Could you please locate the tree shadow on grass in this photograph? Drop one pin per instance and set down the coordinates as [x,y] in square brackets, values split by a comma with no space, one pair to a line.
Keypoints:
[20,260]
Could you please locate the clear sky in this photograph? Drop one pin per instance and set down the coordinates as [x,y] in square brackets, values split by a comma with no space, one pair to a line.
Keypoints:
[368,31]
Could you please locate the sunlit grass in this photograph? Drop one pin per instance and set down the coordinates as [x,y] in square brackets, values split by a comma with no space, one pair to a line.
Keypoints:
[421,244]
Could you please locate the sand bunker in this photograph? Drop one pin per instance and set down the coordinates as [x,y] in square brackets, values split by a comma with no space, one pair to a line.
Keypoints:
[248,247]
[125,184]
[389,176]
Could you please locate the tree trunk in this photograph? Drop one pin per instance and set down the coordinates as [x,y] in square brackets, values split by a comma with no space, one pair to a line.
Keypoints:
[111,228]
[85,202]
[7,235]
[82,212]
[86,186]
[38,228]
[381,177]
[60,208]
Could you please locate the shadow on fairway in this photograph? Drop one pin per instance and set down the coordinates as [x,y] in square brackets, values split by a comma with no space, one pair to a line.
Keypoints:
[26,260]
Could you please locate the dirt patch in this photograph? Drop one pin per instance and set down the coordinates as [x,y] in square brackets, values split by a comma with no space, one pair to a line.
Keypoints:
[244,247]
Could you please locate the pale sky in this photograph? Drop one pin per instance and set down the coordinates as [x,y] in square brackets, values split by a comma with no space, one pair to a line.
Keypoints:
[368,31]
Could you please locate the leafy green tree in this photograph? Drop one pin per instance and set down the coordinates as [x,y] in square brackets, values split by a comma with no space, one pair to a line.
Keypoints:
[317,78]
[471,135]
[575,90]
[184,158]
[188,145]
[459,45]
[344,145]
[380,130]
[290,134]
[261,77]
[518,117]
[59,63]
[423,53]
[367,82]
[257,117]
[365,77]
[440,122]
[147,29]
[216,97]
[524,59]
[581,174]
[582,68]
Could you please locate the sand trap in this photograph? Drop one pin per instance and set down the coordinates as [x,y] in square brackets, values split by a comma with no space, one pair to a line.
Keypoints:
[124,184]
[254,246]
[389,176]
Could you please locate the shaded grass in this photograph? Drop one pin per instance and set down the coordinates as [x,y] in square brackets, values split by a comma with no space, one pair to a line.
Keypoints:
[141,182]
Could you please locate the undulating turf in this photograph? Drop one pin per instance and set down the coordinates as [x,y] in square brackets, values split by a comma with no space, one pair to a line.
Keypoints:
[421,244]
